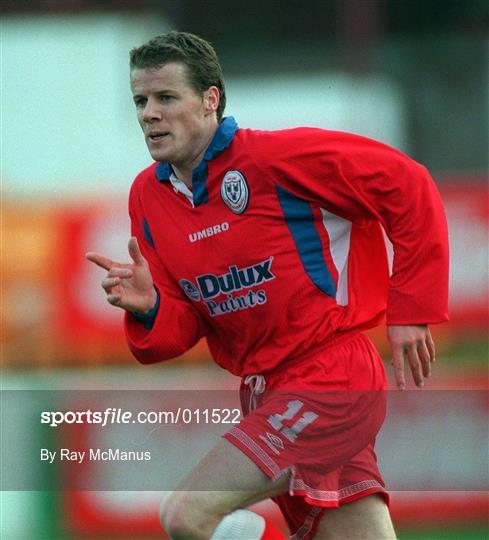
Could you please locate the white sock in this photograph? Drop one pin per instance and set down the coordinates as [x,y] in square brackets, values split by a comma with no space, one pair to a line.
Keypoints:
[240,525]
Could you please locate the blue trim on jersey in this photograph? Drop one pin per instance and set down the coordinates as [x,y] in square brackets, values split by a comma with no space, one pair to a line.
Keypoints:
[148,319]
[199,180]
[300,221]
[223,137]
[147,233]
[221,140]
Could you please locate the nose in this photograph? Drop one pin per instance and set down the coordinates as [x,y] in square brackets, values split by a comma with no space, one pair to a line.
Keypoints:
[151,112]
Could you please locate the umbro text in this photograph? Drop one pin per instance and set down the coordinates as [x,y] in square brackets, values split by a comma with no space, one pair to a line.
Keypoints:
[208,232]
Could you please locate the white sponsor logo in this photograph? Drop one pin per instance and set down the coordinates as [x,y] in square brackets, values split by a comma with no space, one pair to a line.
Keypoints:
[208,287]
[235,192]
[208,232]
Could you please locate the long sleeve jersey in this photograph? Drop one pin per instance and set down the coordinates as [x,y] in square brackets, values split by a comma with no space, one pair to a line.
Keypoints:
[283,248]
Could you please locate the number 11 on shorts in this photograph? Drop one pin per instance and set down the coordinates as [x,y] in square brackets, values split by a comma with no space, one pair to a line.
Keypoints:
[293,407]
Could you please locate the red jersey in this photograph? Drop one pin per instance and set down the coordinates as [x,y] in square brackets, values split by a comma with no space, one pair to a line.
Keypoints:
[282,249]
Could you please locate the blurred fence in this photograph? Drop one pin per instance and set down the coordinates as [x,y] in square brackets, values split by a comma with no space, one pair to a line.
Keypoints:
[54,312]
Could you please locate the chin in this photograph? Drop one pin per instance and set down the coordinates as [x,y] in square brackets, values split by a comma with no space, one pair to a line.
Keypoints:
[160,156]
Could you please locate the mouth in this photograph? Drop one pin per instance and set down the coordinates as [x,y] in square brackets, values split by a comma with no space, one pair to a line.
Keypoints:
[156,136]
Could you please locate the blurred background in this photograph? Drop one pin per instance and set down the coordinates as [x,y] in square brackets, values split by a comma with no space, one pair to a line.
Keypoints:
[410,73]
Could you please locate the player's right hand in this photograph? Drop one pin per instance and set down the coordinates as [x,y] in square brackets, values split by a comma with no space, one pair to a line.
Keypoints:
[127,285]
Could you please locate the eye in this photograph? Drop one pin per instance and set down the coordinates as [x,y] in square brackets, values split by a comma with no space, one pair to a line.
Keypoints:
[166,98]
[139,102]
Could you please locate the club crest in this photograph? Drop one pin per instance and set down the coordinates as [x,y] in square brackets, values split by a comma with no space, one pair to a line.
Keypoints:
[235,192]
[190,289]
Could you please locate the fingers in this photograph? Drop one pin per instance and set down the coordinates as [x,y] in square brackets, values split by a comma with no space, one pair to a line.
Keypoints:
[411,352]
[414,344]
[109,283]
[134,251]
[120,272]
[107,264]
[119,282]
[114,277]
[398,363]
[114,299]
[100,260]
[431,347]
[424,358]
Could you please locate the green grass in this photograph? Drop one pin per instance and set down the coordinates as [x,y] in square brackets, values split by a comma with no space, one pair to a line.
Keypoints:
[474,352]
[472,533]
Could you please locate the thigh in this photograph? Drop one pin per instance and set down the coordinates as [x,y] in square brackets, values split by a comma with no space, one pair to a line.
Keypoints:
[367,518]
[226,479]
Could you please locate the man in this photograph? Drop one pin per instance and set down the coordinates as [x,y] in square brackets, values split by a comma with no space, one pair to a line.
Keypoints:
[270,245]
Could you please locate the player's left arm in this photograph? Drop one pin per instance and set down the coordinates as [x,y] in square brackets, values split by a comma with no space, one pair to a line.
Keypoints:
[414,219]
[361,179]
[408,204]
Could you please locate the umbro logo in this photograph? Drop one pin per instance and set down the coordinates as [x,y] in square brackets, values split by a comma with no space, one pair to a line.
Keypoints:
[273,441]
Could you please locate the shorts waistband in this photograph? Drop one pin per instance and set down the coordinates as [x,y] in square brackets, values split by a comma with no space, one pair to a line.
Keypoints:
[310,353]
[334,342]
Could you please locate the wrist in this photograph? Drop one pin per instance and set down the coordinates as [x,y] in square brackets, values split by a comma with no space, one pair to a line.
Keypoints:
[153,299]
[154,302]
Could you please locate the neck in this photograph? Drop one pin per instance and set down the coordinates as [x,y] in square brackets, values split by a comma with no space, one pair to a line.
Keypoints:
[183,171]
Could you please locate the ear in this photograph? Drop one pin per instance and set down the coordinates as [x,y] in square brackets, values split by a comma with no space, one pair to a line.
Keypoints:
[212,98]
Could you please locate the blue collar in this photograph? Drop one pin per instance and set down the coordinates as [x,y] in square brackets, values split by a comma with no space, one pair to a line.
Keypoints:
[221,140]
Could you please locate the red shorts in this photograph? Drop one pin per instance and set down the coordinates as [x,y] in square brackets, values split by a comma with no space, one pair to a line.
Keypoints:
[316,418]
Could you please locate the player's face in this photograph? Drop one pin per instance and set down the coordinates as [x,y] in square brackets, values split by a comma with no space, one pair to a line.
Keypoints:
[172,115]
